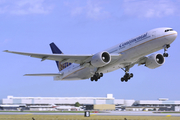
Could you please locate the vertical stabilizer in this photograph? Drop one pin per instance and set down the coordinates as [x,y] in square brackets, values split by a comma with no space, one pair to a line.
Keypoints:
[56,50]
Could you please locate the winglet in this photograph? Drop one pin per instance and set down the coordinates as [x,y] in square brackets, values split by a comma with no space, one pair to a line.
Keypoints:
[6,51]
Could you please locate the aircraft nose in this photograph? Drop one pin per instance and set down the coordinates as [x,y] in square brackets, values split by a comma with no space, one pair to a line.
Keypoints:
[175,34]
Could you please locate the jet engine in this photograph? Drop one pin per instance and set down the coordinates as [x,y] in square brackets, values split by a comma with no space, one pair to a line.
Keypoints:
[100,59]
[155,60]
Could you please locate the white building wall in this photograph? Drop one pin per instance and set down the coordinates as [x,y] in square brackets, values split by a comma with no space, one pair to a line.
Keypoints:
[150,102]
[7,101]
[86,101]
[100,102]
[68,101]
[177,108]
[109,95]
[26,101]
[42,101]
[157,102]
[128,102]
[176,102]
[54,101]
[118,101]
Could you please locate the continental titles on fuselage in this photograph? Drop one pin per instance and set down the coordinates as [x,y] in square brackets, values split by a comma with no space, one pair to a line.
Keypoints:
[134,40]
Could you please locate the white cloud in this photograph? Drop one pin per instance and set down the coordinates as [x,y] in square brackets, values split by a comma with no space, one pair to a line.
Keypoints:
[3,42]
[149,8]
[91,9]
[24,7]
[77,11]
[95,11]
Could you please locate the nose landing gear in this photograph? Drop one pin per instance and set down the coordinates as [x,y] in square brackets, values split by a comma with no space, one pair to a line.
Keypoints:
[165,49]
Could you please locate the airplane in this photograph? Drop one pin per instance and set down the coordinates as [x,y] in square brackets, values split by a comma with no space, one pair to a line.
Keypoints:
[124,55]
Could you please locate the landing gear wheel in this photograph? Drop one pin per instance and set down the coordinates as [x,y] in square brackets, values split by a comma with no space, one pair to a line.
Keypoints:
[127,77]
[168,45]
[96,76]
[101,74]
[122,79]
[131,75]
[165,54]
[92,78]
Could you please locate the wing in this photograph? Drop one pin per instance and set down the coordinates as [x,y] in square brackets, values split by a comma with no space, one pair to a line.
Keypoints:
[79,59]
[45,74]
[140,61]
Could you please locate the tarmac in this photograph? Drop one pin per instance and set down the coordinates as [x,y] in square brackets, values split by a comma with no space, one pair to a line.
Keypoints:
[109,113]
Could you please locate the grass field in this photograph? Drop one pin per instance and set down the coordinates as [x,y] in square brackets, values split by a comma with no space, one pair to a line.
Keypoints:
[78,117]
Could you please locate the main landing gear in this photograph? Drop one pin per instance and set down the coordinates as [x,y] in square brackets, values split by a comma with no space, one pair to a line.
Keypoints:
[165,49]
[96,76]
[127,75]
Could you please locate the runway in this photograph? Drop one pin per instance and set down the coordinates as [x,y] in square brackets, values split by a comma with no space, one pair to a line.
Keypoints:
[109,113]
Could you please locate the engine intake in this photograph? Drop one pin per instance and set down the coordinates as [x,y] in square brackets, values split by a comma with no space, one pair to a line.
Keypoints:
[100,59]
[154,61]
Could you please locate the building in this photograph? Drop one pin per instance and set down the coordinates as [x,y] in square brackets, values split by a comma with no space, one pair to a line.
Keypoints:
[89,103]
[162,104]
[50,103]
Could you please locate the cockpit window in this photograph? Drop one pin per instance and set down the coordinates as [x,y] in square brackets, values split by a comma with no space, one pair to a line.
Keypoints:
[168,30]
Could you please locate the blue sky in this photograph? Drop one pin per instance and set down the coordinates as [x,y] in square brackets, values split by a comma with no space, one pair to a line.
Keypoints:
[84,27]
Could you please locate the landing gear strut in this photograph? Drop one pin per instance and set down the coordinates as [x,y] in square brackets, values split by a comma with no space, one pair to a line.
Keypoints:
[165,49]
[127,75]
[96,76]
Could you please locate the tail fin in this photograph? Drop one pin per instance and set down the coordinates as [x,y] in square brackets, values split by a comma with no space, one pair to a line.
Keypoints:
[56,50]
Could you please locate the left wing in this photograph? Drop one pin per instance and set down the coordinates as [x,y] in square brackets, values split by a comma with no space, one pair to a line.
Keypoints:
[79,59]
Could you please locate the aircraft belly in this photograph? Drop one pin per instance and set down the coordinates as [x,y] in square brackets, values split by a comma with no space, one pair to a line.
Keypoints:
[110,68]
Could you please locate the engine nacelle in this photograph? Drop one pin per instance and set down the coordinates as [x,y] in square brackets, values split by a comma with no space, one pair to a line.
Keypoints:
[155,60]
[100,59]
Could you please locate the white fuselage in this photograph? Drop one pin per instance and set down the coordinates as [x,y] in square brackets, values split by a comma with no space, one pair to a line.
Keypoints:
[130,51]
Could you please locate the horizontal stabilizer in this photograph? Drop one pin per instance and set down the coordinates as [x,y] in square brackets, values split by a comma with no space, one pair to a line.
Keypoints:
[44,74]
